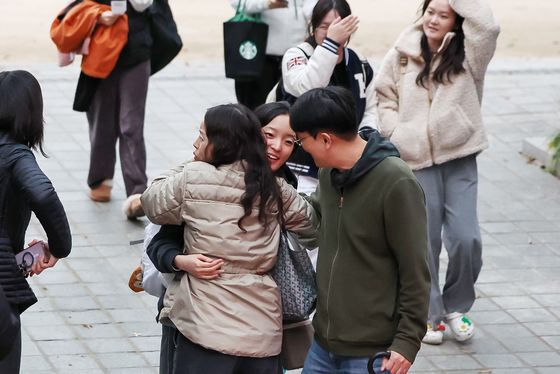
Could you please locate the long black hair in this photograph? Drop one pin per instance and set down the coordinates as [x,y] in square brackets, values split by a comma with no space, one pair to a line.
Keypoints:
[21,108]
[235,134]
[452,58]
[265,114]
[321,9]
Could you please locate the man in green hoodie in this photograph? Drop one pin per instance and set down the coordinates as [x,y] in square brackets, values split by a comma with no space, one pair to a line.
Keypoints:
[372,274]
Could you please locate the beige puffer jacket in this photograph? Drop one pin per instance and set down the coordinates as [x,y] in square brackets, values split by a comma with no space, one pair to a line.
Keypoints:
[444,122]
[239,313]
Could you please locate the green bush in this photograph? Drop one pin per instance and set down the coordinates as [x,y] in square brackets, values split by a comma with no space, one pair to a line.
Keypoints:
[555,146]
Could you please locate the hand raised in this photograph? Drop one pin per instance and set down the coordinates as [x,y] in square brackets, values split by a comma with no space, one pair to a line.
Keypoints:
[341,29]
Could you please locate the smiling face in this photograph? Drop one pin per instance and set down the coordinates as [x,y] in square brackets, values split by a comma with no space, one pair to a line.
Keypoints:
[280,141]
[438,19]
[202,147]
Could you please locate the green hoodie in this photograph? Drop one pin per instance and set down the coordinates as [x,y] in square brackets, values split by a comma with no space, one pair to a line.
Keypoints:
[372,273]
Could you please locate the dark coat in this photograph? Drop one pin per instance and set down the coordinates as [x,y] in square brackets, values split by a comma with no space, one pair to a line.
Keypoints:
[23,189]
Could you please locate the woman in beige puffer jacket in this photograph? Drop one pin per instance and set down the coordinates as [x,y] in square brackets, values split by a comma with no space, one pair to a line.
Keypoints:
[233,209]
[429,91]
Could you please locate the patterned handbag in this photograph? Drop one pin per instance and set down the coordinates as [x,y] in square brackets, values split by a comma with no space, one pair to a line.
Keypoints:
[295,278]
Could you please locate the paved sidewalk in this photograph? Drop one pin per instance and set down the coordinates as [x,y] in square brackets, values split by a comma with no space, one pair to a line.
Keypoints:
[88,321]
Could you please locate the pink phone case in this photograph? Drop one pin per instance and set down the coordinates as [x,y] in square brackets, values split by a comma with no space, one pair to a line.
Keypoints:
[26,258]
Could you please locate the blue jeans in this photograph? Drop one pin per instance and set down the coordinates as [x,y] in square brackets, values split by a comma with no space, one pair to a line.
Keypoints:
[321,361]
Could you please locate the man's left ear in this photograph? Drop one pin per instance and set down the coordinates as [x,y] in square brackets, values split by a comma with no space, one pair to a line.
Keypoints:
[326,138]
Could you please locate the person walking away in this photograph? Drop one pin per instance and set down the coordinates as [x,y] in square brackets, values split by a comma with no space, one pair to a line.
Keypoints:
[117,110]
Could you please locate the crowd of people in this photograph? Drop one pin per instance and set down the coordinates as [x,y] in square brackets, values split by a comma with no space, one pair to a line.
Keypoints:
[377,171]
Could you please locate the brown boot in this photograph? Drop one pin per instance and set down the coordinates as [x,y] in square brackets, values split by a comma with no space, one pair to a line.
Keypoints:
[102,192]
[132,207]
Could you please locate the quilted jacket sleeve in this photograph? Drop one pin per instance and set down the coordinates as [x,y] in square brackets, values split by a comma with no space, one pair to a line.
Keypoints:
[163,200]
[41,196]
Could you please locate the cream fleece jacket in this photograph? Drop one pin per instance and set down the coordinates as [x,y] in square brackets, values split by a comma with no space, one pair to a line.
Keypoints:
[443,122]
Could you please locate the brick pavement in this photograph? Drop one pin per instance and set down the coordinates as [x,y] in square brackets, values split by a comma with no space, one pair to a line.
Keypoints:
[88,321]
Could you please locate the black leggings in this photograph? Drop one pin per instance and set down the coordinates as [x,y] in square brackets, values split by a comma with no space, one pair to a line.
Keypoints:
[10,363]
[191,358]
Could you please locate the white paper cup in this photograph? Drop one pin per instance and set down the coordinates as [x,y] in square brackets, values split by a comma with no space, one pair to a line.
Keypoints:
[118,6]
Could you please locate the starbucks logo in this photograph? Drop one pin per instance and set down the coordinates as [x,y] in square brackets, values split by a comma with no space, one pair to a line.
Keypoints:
[248,50]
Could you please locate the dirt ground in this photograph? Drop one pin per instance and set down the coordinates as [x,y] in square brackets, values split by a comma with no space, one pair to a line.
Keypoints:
[530,29]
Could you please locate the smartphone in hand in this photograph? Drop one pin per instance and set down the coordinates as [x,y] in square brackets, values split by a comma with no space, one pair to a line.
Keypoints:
[26,258]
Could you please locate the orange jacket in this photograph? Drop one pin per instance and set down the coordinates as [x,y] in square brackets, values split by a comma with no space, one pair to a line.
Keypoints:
[69,32]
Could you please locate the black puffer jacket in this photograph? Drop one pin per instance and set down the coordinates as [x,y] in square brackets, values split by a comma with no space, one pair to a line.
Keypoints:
[23,189]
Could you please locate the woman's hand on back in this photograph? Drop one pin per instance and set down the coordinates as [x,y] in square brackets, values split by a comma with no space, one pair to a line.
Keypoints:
[341,29]
[200,266]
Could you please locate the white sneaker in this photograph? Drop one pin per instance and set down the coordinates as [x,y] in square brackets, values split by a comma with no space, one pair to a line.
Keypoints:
[461,326]
[434,334]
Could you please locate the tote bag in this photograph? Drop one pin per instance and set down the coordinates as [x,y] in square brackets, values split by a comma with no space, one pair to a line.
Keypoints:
[245,39]
[295,278]
[166,40]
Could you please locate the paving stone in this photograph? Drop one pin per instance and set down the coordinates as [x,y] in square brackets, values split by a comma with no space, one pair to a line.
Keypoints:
[121,360]
[492,317]
[544,328]
[516,344]
[455,362]
[541,358]
[61,347]
[112,345]
[554,341]
[532,315]
[499,360]
[552,300]
[73,362]
[516,302]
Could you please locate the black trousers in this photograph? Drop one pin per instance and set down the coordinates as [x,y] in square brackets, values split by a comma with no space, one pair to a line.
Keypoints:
[11,362]
[167,349]
[254,92]
[191,358]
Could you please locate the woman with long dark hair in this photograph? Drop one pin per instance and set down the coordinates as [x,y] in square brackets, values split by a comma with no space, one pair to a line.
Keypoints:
[233,208]
[325,60]
[23,189]
[430,92]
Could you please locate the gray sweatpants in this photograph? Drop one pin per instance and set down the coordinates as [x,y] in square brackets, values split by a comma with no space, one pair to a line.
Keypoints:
[451,196]
[117,113]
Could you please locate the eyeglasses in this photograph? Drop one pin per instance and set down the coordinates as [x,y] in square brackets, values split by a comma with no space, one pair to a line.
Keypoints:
[300,141]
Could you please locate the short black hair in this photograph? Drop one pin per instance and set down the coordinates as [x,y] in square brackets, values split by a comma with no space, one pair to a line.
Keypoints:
[330,109]
[267,112]
[21,108]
